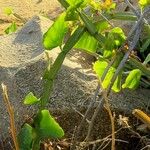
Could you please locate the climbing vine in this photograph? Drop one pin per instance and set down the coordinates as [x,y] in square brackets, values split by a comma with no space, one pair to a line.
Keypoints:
[88,23]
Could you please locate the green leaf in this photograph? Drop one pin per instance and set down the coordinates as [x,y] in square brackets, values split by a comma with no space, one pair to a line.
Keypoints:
[64,3]
[12,28]
[144,3]
[71,14]
[25,137]
[87,42]
[145,45]
[77,3]
[102,26]
[114,39]
[46,126]
[8,11]
[31,99]
[99,67]
[108,77]
[118,36]
[147,60]
[133,79]
[55,34]
[117,84]
[107,53]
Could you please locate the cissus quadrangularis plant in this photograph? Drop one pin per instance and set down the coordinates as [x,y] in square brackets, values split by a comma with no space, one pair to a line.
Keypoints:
[95,36]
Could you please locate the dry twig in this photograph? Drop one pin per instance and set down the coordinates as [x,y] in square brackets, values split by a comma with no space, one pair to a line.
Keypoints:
[99,140]
[107,106]
[10,111]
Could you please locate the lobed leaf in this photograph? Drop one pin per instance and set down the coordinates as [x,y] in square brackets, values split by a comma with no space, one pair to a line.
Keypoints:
[77,3]
[102,26]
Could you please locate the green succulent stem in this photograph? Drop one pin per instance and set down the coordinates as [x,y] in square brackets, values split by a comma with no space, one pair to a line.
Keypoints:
[139,65]
[51,73]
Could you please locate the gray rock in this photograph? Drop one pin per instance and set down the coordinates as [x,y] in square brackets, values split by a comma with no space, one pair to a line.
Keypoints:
[21,61]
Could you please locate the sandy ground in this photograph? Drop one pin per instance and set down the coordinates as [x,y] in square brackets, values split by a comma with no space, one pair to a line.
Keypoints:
[26,9]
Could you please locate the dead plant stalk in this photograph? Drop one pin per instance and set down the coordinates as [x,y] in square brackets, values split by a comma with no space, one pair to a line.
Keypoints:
[112,117]
[10,111]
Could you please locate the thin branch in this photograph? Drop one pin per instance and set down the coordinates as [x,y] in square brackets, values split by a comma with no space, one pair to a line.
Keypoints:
[10,111]
[85,117]
[73,137]
[107,105]
[81,114]
[97,110]
[105,18]
[104,99]
[99,107]
[102,148]
[99,140]
[147,146]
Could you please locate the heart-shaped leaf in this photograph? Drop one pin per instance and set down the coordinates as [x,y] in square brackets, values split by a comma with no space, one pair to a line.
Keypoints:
[31,99]
[46,126]
[99,67]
